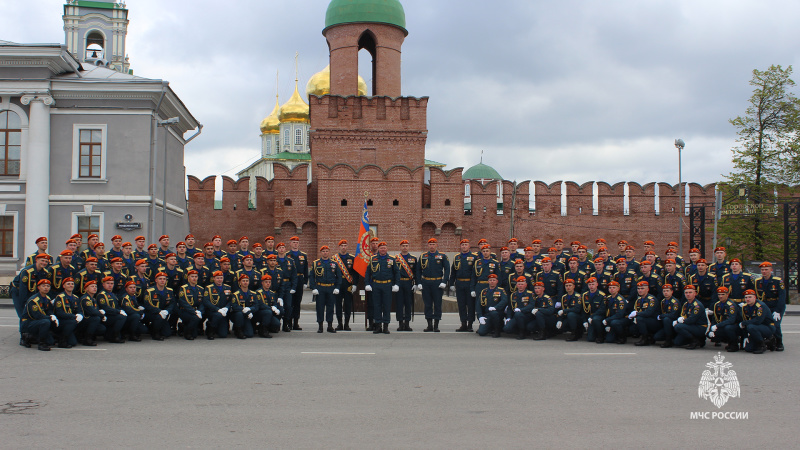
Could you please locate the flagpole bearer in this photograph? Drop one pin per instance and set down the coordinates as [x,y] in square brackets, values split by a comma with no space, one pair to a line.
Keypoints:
[363,255]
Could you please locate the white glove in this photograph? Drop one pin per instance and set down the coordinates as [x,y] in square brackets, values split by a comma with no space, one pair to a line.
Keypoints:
[315,292]
[53,319]
[452,288]
[558,325]
[636,321]
[395,288]
[492,308]
[680,319]
[560,312]
[632,315]
[711,334]
[442,286]
[517,310]
[353,289]
[482,320]
[505,321]
[585,325]
[535,310]
[472,293]
[335,292]
[419,287]
[741,325]
[123,313]
[305,286]
[674,322]
[199,314]
[709,312]
[276,310]
[104,319]
[741,304]
[141,308]
[605,323]
[250,316]
[558,305]
[280,302]
[163,313]
[368,288]
[713,328]
[658,317]
[102,312]
[590,320]
[776,316]
[223,311]
[608,329]
[78,317]
[246,309]
[291,291]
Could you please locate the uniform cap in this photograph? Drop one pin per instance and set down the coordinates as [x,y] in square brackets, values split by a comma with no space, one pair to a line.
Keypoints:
[180,243]
[243,276]
[645,263]
[722,290]
[199,255]
[115,237]
[558,240]
[66,253]
[572,258]
[224,259]
[191,272]
[43,256]
[504,249]
[702,261]
[208,244]
[536,241]
[694,250]
[481,241]
[129,283]
[257,245]
[749,292]
[719,249]
[669,261]
[243,238]
[280,244]
[91,259]
[492,276]
[485,246]
[538,283]
[614,283]
[630,247]
[528,249]
[575,243]
[232,242]
[765,264]
[601,240]
[552,249]
[161,274]
[116,259]
[266,276]
[643,283]
[127,244]
[382,244]
[432,241]
[569,281]
[599,260]
[43,281]
[41,239]
[343,241]
[519,261]
[294,238]
[70,241]
[324,247]
[216,236]
[546,259]
[152,246]
[689,287]
[89,283]
[404,241]
[519,279]
[736,260]
[218,273]
[106,279]
[511,240]
[649,243]
[582,247]
[275,257]
[667,286]
[140,238]
[622,243]
[672,244]
[141,261]
[649,252]
[170,255]
[591,280]
[67,280]
[464,241]
[99,244]
[269,238]
[374,240]
[248,256]
[92,236]
[164,236]
[621,260]
[76,235]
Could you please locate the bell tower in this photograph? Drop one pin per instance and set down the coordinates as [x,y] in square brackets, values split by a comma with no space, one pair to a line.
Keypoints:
[95,32]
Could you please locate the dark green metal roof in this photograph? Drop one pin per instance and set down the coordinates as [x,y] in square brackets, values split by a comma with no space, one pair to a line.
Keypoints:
[359,11]
[96,4]
[429,162]
[290,156]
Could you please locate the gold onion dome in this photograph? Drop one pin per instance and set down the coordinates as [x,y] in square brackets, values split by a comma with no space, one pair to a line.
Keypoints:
[295,110]
[320,84]
[271,124]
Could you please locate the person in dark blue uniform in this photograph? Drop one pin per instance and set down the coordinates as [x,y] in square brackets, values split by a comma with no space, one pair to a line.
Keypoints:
[159,305]
[404,300]
[571,311]
[721,266]
[190,306]
[691,326]
[520,319]
[757,324]
[111,310]
[489,307]
[612,325]
[593,302]
[551,280]
[269,309]
[324,280]
[164,249]
[25,283]
[770,291]
[134,326]
[348,286]
[705,283]
[645,314]
[92,324]
[289,270]
[653,281]
[543,312]
[382,276]
[41,244]
[66,308]
[432,275]
[36,318]
[575,274]
[216,300]
[673,277]
[725,321]
[460,285]
[244,306]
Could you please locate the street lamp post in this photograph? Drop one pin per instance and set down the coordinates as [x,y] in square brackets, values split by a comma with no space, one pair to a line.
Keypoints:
[679,144]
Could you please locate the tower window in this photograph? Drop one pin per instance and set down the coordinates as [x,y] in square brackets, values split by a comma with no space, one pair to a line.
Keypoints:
[287,202]
[95,45]
[466,189]
[369,202]
[286,137]
[344,202]
[447,202]
[395,202]
[266,146]
[298,137]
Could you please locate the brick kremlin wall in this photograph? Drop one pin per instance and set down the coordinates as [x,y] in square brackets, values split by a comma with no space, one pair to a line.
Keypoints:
[288,206]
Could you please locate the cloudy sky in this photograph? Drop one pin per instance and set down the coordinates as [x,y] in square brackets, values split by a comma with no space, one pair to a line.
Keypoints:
[569,90]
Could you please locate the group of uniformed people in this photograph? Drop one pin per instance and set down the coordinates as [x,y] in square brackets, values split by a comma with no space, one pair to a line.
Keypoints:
[130,289]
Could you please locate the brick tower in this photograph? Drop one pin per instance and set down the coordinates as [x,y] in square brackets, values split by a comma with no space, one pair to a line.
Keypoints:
[360,144]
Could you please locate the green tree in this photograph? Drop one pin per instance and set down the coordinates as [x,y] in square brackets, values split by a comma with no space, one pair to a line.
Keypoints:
[766,136]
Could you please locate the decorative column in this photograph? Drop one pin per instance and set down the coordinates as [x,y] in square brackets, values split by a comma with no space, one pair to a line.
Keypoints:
[37,186]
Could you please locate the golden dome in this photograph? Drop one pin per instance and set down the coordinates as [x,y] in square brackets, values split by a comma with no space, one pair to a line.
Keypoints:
[271,124]
[295,110]
[320,83]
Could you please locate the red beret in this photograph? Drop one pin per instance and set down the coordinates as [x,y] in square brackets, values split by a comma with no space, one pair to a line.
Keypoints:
[511,240]
[89,283]
[243,238]
[67,280]
[343,241]
[280,244]
[485,246]
[76,235]
[694,250]
[40,239]
[218,273]
[600,240]
[180,243]
[163,237]
[127,244]
[569,281]
[99,244]
[669,261]
[199,255]
[107,279]
[294,238]
[116,259]
[538,283]
[749,292]
[140,238]
[572,258]
[432,241]
[272,257]
[702,261]
[130,283]
[381,244]
[480,241]
[188,236]
[492,276]
[170,255]
[591,280]
[191,272]
[256,245]
[115,237]
[504,249]
[208,244]
[643,283]
[719,249]
[91,259]
[546,259]
[216,236]
[552,249]
[622,260]
[599,260]
[224,259]
[528,249]
[464,241]
[649,243]
[232,242]
[43,281]
[575,243]
[324,247]
[645,263]
[161,274]
[521,279]
[722,290]
[248,256]
[736,260]
[243,276]
[374,239]
[614,283]
[667,286]
[141,261]
[622,242]
[630,247]
[558,240]
[152,246]
[269,238]
[92,236]
[536,241]
[765,264]
[266,276]
[66,253]
[43,256]
[582,247]
[404,241]
[70,241]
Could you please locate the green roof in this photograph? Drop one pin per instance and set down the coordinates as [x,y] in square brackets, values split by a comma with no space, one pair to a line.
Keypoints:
[96,4]
[481,172]
[291,156]
[359,11]
[429,162]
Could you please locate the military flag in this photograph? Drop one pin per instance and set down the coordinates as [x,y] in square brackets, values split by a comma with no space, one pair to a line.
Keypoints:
[363,251]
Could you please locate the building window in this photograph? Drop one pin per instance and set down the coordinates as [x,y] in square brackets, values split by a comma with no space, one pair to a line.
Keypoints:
[298,137]
[369,202]
[7,236]
[90,152]
[395,203]
[466,190]
[344,202]
[266,146]
[287,202]
[286,137]
[87,224]
[10,142]
[447,202]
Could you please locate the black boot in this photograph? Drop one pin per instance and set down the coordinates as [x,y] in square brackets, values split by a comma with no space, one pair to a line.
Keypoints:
[347,323]
[209,334]
[237,331]
[693,345]
[573,338]
[521,335]
[540,336]
[408,328]
[264,332]
[436,325]
[339,326]
[463,326]
[43,347]
[469,327]
[370,325]
[320,328]
[430,325]
[386,328]
[330,328]
[667,344]
[732,348]
[286,325]
[779,344]
[297,325]
[376,328]
[402,326]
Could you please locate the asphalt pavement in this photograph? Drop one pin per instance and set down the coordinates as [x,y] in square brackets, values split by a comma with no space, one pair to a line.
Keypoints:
[403,390]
